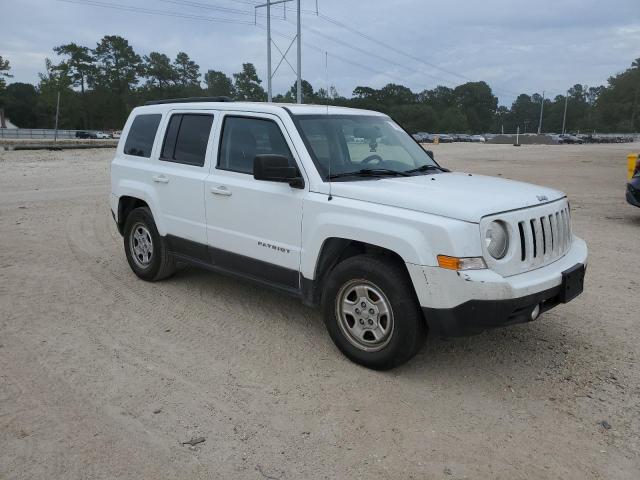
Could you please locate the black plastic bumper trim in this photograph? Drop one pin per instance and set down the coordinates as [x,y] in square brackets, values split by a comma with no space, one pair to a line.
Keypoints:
[475,316]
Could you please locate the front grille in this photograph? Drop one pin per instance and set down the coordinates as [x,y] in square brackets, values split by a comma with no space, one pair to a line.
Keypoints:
[545,237]
[538,236]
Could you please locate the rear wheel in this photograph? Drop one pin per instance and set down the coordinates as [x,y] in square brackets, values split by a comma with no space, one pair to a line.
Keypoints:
[371,312]
[147,252]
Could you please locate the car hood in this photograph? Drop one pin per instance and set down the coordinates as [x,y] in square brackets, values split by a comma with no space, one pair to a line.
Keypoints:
[456,195]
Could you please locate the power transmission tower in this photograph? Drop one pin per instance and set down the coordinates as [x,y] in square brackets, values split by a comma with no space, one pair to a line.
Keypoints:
[297,39]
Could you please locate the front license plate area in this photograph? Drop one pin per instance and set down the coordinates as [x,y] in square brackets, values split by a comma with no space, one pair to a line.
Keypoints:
[572,283]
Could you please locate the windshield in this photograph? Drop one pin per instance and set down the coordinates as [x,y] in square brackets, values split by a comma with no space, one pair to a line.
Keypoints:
[341,144]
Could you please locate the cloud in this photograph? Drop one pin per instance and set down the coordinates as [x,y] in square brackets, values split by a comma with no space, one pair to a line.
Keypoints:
[515,46]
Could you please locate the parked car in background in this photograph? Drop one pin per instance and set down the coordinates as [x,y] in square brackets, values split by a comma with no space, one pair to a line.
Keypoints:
[556,138]
[633,187]
[445,138]
[478,138]
[463,137]
[102,135]
[568,138]
[421,137]
[116,134]
[85,134]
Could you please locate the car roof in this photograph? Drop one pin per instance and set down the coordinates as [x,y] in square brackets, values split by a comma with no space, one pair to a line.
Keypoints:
[258,107]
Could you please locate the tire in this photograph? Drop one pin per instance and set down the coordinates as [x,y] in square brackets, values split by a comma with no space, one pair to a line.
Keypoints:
[147,252]
[393,340]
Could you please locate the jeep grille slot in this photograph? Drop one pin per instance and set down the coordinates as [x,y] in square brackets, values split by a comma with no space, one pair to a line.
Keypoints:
[523,248]
[545,236]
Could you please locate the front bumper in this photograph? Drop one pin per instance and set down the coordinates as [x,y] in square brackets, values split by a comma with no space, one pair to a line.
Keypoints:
[461,303]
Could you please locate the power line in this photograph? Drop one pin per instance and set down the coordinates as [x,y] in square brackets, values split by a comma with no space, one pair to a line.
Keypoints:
[371,54]
[394,49]
[150,11]
[336,56]
[208,6]
[96,3]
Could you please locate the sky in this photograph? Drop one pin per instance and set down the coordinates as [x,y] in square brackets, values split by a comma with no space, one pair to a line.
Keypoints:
[515,46]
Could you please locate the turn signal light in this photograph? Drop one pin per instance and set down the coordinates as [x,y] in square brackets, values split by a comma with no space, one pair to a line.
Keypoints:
[464,263]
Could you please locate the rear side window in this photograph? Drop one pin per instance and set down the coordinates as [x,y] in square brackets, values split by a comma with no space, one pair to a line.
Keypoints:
[142,134]
[243,138]
[187,138]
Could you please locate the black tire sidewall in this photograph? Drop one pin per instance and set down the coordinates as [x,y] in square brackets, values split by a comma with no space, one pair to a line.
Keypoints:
[143,215]
[409,329]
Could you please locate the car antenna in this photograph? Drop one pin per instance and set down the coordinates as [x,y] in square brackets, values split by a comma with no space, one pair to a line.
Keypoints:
[326,73]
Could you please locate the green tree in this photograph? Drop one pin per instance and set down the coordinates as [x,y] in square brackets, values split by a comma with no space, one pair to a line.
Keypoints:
[159,71]
[118,65]
[618,105]
[478,104]
[20,104]
[394,94]
[78,66]
[187,70]
[79,63]
[415,117]
[219,84]
[308,95]
[247,84]
[52,82]
[5,68]
[453,120]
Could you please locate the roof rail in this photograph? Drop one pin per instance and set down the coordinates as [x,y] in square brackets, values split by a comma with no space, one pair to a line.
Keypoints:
[189,100]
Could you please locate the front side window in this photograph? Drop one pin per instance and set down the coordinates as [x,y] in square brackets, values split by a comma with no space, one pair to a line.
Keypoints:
[243,138]
[186,139]
[142,134]
[341,144]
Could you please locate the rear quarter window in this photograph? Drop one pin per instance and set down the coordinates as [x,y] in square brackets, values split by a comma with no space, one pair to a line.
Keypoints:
[142,134]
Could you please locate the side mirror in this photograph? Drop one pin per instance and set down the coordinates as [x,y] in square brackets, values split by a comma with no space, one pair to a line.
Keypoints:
[276,168]
[430,153]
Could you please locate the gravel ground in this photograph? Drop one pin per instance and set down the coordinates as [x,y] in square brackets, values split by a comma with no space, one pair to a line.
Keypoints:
[104,376]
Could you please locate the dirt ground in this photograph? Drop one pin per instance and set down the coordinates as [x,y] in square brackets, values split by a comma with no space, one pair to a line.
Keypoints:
[104,376]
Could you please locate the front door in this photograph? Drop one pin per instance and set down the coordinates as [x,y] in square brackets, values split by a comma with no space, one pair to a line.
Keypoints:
[253,227]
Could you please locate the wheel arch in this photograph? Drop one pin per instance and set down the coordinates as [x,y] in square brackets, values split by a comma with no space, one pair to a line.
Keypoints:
[335,250]
[127,204]
[133,194]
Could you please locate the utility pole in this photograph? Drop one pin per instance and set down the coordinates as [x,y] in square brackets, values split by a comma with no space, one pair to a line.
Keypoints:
[55,135]
[297,38]
[269,91]
[541,109]
[564,117]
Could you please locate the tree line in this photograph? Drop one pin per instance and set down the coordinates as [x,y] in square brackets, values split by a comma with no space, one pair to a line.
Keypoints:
[99,86]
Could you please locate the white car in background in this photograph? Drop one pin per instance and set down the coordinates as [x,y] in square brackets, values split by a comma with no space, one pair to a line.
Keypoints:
[102,135]
[478,138]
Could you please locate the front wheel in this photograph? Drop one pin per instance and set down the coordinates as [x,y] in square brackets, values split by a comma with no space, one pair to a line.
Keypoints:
[371,312]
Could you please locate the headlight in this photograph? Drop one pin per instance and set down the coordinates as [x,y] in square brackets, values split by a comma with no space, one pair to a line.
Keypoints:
[496,239]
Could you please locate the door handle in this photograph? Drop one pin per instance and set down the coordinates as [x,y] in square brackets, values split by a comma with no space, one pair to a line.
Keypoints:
[221,190]
[160,179]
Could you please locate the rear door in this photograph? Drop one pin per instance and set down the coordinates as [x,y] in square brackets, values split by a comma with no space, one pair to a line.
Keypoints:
[253,227]
[179,172]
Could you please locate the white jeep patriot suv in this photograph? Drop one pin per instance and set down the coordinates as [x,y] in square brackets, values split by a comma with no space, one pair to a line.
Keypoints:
[343,209]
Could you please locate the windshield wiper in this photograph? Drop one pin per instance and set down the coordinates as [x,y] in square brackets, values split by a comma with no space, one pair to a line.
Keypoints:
[370,172]
[426,168]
